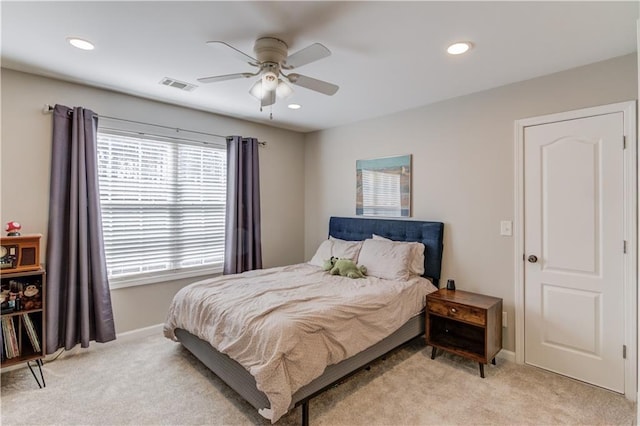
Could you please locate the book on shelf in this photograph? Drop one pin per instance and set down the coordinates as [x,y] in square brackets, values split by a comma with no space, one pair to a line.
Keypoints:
[14,337]
[10,338]
[31,332]
[6,340]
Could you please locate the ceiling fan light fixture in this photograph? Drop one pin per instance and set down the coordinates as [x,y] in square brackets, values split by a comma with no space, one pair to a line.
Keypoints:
[257,91]
[269,81]
[459,47]
[294,106]
[283,90]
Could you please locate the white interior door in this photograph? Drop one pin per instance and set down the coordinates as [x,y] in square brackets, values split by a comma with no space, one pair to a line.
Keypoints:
[574,253]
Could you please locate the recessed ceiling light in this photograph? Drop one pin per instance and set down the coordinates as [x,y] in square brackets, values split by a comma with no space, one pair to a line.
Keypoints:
[459,48]
[294,106]
[80,43]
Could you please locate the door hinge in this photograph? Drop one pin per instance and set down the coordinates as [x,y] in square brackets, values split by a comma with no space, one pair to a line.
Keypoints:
[624,246]
[624,142]
[624,351]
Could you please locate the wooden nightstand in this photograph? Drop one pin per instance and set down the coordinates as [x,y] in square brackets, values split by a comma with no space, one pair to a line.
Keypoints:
[466,324]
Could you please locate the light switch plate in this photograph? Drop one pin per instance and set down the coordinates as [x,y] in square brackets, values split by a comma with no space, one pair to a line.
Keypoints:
[506,228]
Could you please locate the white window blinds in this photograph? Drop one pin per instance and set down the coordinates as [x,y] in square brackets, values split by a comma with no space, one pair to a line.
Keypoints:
[163,203]
[381,193]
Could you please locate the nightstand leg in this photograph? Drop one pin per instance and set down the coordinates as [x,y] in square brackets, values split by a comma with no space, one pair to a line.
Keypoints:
[305,413]
[493,361]
[433,352]
[481,369]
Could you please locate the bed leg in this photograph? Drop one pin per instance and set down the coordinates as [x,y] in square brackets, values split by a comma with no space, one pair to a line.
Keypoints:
[305,413]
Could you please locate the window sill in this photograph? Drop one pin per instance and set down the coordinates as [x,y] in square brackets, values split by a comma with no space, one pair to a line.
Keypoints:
[138,280]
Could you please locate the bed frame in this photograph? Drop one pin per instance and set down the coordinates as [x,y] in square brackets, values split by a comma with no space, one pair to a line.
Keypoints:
[352,229]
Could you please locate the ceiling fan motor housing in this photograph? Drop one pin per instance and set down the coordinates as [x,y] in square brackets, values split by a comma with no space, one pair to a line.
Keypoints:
[270,49]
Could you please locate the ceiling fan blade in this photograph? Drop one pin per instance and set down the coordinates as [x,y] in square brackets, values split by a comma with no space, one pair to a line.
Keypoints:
[313,84]
[269,98]
[305,56]
[217,78]
[235,52]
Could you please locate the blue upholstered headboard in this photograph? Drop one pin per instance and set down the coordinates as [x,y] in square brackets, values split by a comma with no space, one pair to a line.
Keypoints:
[428,233]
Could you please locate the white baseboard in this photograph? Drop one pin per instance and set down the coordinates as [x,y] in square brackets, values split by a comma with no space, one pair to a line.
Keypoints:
[507,355]
[156,329]
[127,336]
[140,333]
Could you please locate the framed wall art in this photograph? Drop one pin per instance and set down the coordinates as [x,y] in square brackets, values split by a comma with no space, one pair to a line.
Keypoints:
[383,187]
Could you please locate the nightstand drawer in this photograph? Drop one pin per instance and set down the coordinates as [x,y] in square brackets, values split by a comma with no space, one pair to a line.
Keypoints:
[460,312]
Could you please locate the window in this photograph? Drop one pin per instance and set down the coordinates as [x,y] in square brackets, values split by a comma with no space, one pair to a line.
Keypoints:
[163,205]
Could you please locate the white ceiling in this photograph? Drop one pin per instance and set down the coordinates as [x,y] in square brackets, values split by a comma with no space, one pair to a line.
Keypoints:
[386,56]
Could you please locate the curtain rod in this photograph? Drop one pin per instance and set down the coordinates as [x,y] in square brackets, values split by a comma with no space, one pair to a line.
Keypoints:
[49,108]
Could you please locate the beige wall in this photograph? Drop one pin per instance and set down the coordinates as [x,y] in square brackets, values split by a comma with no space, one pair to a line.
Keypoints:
[463,167]
[26,154]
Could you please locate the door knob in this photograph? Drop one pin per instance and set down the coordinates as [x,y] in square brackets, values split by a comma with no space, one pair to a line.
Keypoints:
[532,258]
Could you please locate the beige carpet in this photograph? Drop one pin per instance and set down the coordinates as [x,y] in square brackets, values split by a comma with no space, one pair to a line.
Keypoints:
[156,382]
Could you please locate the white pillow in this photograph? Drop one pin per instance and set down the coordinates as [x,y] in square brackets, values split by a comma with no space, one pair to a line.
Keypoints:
[337,248]
[345,249]
[416,266]
[386,259]
[322,253]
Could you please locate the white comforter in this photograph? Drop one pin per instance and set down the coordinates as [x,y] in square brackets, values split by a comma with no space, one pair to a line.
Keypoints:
[286,324]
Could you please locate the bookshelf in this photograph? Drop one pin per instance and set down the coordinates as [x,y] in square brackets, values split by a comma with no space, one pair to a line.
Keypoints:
[23,319]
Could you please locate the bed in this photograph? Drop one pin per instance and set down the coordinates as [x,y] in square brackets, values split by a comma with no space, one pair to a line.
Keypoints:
[263,384]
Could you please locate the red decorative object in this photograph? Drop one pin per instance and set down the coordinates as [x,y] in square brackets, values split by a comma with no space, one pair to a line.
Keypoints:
[13,229]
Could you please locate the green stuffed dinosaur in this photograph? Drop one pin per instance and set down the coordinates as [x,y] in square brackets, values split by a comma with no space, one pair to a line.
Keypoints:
[328,264]
[344,267]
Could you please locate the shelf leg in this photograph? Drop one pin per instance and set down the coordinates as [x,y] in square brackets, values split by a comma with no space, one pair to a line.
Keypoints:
[305,413]
[493,361]
[433,352]
[481,369]
[39,364]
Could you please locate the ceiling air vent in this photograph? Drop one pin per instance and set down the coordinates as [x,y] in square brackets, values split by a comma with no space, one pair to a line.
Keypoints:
[177,84]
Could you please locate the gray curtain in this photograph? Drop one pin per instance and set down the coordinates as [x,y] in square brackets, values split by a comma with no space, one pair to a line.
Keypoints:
[243,242]
[78,306]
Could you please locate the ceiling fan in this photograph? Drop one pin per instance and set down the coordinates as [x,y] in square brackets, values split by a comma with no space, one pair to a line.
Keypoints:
[272,59]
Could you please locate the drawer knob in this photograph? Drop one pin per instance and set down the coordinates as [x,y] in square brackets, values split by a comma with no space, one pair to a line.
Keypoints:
[453,310]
